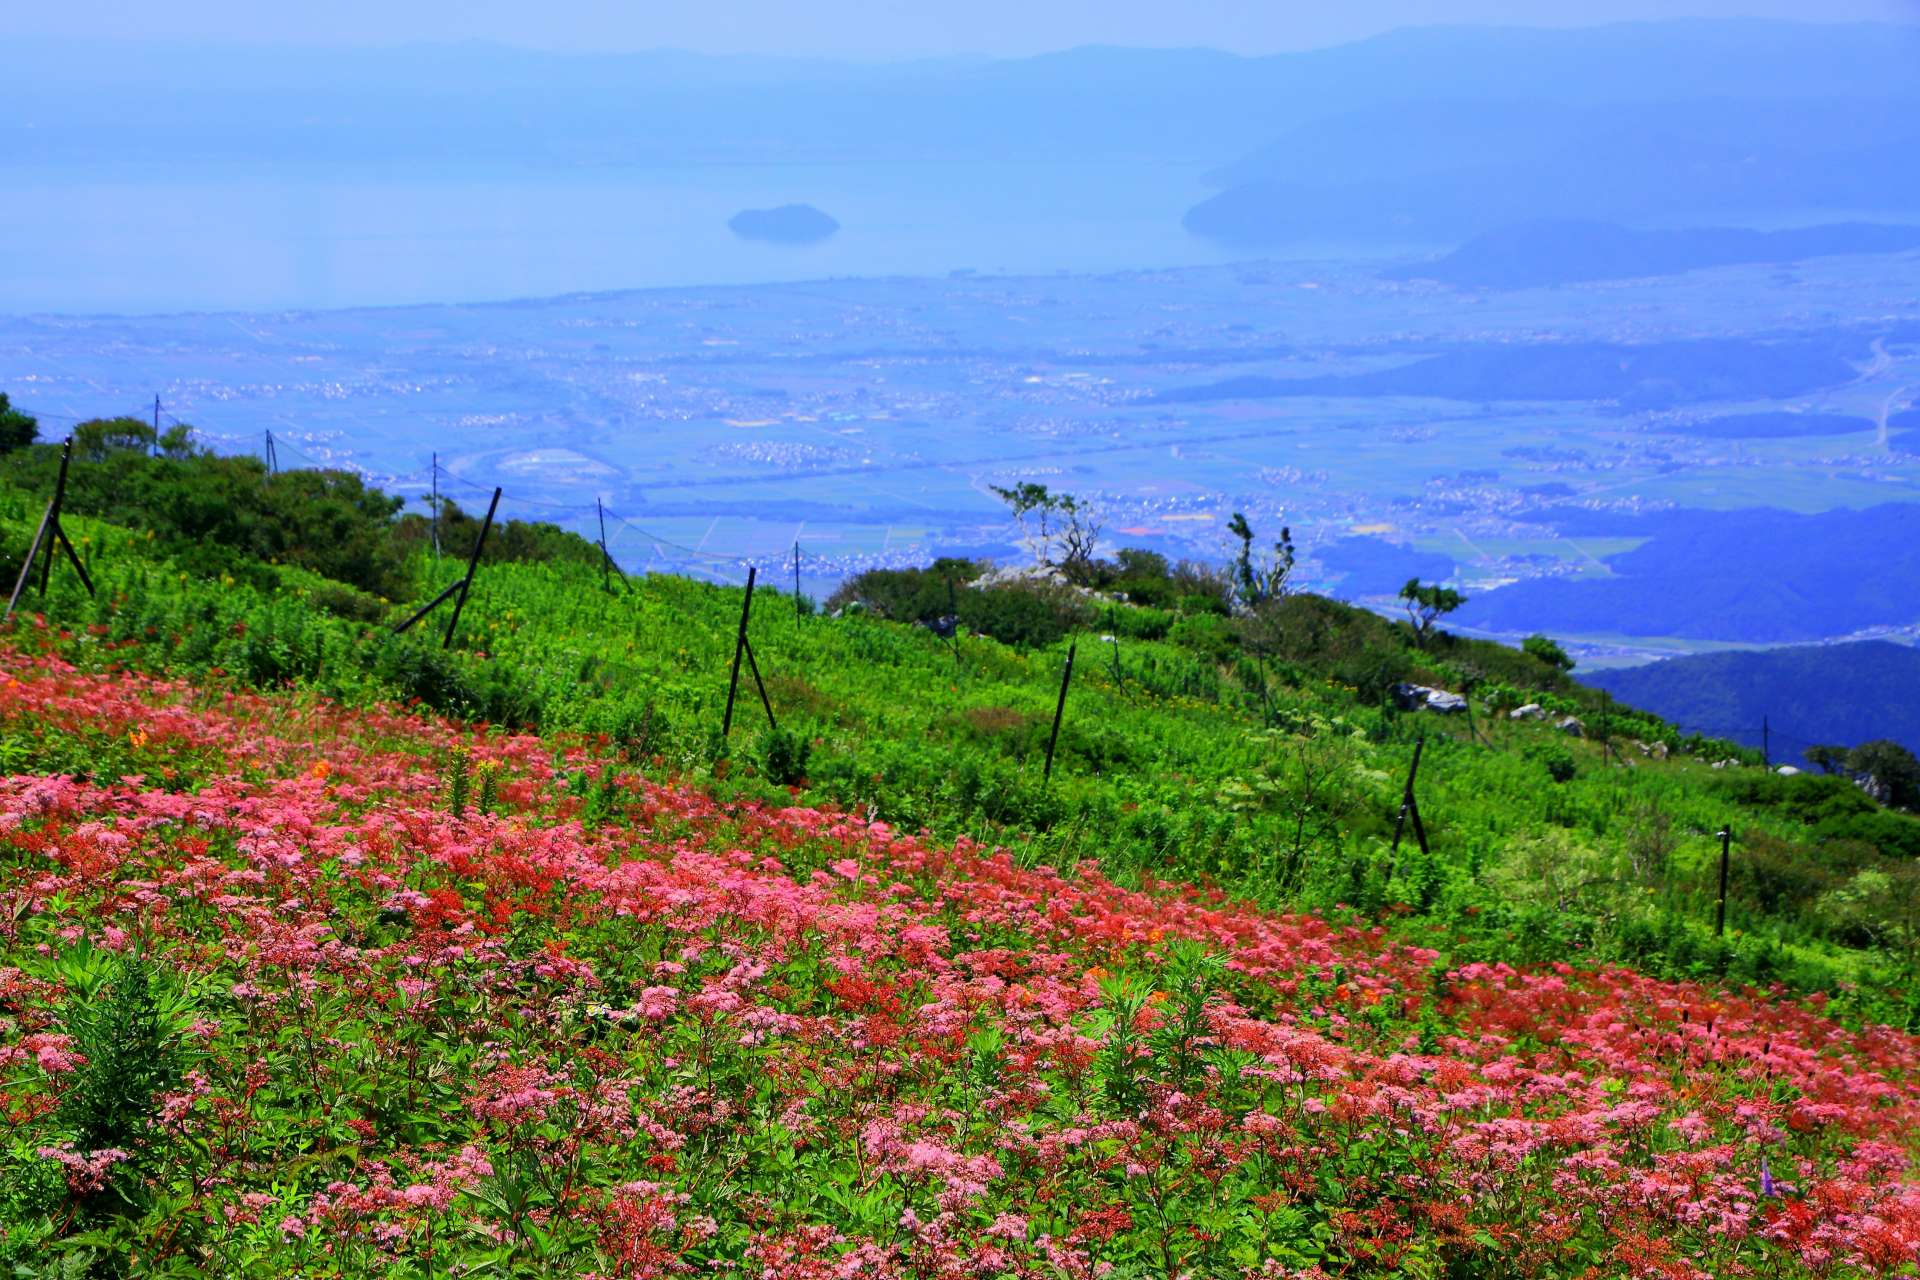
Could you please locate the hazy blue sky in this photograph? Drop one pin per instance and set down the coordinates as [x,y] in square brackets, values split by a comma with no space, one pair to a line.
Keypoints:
[861,28]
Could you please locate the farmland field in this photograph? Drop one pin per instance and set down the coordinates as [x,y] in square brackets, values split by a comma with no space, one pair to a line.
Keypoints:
[866,419]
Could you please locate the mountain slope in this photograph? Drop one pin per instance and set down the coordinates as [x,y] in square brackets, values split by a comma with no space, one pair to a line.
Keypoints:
[1620,176]
[462,102]
[1756,575]
[1564,252]
[1842,694]
[1641,375]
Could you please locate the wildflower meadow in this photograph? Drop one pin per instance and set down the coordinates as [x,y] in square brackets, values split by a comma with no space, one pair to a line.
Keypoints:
[289,988]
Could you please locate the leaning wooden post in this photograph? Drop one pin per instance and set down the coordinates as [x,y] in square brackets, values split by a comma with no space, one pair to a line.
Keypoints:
[766,703]
[606,579]
[1409,808]
[739,647]
[457,590]
[1059,710]
[1726,849]
[606,561]
[52,522]
[953,611]
[473,563]
[47,537]
[26,569]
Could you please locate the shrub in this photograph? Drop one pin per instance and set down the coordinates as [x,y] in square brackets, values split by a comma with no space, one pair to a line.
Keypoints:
[1548,651]
[129,1058]
[1555,758]
[1142,624]
[1199,603]
[1207,634]
[1027,617]
[346,602]
[783,756]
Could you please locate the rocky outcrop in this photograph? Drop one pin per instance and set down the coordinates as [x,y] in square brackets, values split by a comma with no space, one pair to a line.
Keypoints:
[1420,697]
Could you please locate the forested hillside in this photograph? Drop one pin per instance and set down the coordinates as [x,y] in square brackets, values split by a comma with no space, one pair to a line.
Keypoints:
[1801,697]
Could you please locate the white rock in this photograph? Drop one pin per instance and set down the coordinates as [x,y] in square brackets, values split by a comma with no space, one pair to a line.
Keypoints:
[1415,697]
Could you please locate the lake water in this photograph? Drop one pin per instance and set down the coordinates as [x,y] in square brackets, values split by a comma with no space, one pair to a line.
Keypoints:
[83,240]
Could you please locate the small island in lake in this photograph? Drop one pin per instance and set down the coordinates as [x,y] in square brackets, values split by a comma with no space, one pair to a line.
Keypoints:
[788,224]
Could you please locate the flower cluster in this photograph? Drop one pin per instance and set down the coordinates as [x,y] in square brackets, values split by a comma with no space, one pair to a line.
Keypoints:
[695,1037]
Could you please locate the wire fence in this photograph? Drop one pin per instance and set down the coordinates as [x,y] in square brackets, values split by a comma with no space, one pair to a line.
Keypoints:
[631,546]
[658,552]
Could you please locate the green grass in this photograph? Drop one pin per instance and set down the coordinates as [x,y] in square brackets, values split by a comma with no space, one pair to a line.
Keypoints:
[1172,761]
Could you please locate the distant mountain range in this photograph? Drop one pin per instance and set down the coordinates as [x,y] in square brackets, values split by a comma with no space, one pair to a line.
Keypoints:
[1756,575]
[1429,100]
[1677,163]
[1841,694]
[1552,252]
[1640,375]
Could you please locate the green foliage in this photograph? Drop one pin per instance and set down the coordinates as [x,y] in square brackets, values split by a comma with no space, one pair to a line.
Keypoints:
[509,541]
[1260,582]
[1427,603]
[129,1049]
[96,439]
[1026,615]
[1888,771]
[17,429]
[783,756]
[1556,759]
[225,516]
[1255,750]
[1547,651]
[459,782]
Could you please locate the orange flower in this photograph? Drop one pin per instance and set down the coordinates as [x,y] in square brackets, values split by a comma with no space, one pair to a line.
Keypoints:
[138,737]
[321,769]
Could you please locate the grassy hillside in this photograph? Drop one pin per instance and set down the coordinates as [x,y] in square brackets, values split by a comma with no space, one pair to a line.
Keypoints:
[315,960]
[1187,750]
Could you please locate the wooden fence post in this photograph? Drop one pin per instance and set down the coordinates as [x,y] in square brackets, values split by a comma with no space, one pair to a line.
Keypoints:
[1409,808]
[49,536]
[1726,852]
[473,563]
[607,567]
[457,591]
[1059,710]
[766,704]
[739,648]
